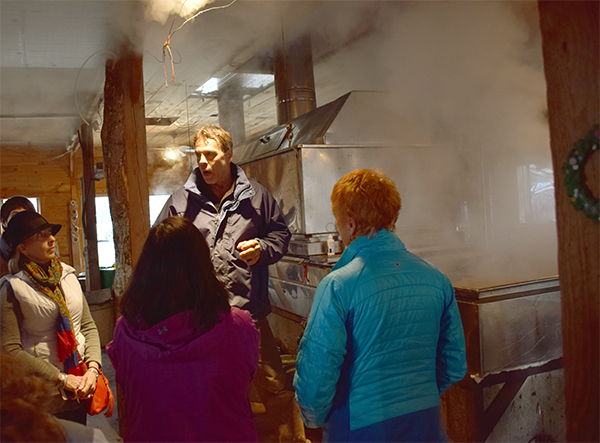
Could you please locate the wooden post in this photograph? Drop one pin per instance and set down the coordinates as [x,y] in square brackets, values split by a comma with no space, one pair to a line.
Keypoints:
[125,161]
[571,49]
[92,267]
[74,210]
[126,170]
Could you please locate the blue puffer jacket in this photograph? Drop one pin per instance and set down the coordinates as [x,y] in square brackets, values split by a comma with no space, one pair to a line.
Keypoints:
[385,324]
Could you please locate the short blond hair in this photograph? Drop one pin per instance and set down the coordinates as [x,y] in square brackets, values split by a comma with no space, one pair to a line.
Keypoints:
[213,132]
[370,198]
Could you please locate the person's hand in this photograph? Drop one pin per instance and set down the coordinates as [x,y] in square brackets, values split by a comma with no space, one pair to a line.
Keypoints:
[73,382]
[83,387]
[249,251]
[87,385]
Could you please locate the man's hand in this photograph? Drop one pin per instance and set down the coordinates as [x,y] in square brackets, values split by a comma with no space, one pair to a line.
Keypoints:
[249,251]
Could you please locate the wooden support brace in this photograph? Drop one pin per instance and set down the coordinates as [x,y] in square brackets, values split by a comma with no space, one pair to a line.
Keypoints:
[92,268]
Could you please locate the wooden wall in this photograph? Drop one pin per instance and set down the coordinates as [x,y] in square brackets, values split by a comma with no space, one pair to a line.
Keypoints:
[55,180]
[36,172]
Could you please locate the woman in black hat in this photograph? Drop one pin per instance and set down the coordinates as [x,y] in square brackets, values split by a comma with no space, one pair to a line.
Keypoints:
[46,321]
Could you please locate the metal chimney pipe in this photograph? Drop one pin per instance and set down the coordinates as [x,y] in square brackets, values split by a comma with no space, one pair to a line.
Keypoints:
[294,79]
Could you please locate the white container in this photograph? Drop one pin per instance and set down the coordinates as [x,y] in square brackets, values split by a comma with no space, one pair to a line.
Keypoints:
[330,245]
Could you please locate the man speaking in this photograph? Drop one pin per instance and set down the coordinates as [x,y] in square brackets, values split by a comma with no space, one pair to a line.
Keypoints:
[246,232]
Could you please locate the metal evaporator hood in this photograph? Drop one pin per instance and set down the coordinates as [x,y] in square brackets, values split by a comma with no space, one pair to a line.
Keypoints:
[309,128]
[297,161]
[352,119]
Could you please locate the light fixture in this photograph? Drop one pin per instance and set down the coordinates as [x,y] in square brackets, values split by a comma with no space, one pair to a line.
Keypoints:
[173,154]
[208,89]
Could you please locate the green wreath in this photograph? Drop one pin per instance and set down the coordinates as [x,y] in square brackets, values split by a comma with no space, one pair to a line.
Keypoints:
[580,195]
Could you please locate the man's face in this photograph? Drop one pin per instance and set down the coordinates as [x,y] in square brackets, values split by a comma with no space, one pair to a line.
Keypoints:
[213,163]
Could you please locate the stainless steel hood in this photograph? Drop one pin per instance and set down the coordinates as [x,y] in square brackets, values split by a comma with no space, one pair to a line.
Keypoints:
[309,128]
[299,162]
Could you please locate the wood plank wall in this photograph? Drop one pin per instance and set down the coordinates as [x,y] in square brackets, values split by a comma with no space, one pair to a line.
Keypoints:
[37,172]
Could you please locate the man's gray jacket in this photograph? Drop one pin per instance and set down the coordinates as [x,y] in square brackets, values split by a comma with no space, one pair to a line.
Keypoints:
[249,212]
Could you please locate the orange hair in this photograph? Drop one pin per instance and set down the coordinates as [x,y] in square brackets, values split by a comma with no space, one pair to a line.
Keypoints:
[24,405]
[369,197]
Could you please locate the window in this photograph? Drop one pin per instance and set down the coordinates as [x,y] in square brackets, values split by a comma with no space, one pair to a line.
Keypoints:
[156,204]
[104,231]
[34,201]
[536,194]
[104,228]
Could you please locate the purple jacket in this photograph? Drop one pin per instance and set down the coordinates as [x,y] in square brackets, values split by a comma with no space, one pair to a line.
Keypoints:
[179,385]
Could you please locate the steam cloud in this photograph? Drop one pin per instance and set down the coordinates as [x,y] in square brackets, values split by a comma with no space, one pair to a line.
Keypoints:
[467,75]
[160,10]
[463,75]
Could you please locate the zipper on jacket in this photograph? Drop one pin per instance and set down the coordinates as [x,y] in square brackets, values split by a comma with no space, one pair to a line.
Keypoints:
[232,205]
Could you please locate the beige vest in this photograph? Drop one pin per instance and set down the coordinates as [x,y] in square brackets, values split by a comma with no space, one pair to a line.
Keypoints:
[40,315]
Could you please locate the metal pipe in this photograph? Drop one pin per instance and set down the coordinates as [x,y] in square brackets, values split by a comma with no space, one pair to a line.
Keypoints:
[294,79]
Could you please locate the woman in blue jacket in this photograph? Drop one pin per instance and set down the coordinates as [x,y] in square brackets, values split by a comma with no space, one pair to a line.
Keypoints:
[384,337]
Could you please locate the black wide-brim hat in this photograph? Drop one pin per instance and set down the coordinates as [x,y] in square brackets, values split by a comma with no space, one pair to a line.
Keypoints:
[23,225]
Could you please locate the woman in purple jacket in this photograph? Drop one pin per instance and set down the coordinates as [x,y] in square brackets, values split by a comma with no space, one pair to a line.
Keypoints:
[183,357]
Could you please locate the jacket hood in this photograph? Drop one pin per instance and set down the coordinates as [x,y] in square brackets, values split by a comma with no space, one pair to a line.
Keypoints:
[174,339]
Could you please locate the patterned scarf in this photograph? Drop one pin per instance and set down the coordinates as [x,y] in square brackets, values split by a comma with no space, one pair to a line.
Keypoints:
[48,284]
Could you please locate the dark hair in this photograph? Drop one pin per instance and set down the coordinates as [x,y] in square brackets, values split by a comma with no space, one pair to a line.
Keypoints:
[174,274]
[213,132]
[16,202]
[24,404]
